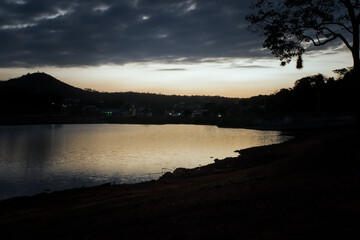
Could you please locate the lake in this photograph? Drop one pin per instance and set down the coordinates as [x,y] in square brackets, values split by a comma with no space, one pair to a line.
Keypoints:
[39,158]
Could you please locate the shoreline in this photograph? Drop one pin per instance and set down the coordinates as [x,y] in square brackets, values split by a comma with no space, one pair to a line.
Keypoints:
[51,186]
[216,166]
[305,188]
[310,123]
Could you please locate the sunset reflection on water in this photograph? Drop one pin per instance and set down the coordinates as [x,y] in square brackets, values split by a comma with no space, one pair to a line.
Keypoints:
[65,156]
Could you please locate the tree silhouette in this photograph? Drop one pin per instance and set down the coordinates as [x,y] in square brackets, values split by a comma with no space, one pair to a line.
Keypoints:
[290,26]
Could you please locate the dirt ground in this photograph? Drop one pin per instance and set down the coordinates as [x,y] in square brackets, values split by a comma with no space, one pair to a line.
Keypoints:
[307,188]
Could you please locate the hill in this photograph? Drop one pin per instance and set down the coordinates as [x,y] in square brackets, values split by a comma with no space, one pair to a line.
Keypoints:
[35,93]
[40,93]
[40,83]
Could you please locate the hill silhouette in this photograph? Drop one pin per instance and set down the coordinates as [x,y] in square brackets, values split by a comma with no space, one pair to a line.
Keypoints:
[38,83]
[41,93]
[35,93]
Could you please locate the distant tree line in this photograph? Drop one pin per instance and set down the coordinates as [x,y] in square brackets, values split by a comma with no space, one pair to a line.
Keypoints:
[313,94]
[317,94]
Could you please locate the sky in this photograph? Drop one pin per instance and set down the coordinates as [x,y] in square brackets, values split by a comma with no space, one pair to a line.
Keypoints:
[183,47]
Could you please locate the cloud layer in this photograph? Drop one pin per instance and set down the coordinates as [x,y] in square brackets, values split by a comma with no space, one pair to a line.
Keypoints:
[89,32]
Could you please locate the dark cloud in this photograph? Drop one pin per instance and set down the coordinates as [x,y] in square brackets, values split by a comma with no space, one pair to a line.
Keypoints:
[89,32]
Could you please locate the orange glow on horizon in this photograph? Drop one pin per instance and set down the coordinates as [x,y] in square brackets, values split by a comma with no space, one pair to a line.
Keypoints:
[239,78]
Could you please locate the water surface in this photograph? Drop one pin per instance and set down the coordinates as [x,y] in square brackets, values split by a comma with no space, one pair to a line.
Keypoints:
[54,157]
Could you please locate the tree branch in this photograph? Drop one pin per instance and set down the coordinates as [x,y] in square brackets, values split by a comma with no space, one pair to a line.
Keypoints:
[337,35]
[339,24]
[319,43]
[288,24]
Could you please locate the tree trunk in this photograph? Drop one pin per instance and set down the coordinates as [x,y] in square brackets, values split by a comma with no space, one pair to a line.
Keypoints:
[355,49]
[356,63]
[355,25]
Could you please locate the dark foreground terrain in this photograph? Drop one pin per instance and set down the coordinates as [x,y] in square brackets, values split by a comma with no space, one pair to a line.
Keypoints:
[308,188]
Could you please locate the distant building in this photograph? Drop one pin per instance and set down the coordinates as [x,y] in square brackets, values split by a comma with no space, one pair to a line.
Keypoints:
[198,113]
[145,112]
[91,110]
[132,111]
[111,112]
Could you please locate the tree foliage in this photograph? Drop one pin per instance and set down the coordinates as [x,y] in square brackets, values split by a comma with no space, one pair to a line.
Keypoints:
[290,26]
